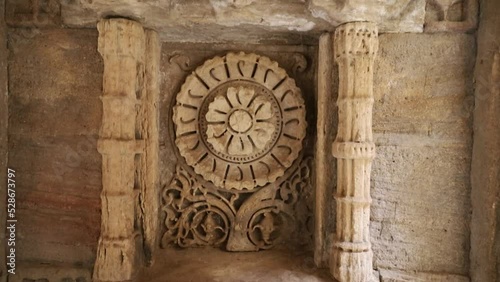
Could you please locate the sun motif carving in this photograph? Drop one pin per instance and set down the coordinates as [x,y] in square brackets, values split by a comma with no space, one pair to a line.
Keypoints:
[239,121]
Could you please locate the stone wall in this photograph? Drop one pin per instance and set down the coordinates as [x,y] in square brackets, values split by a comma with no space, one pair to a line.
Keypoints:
[422,125]
[420,179]
[55,78]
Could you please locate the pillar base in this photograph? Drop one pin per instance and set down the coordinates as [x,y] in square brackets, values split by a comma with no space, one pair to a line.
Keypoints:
[352,267]
[117,259]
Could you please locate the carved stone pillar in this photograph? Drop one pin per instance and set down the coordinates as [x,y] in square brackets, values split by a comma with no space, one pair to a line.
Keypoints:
[122,46]
[355,48]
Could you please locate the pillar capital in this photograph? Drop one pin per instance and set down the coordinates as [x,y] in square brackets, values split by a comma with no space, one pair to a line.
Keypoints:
[356,39]
[121,37]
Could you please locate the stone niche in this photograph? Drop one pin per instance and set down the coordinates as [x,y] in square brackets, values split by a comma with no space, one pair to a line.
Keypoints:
[239,169]
[237,134]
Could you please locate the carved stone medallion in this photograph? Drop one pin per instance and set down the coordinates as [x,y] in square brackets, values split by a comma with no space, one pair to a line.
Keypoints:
[239,121]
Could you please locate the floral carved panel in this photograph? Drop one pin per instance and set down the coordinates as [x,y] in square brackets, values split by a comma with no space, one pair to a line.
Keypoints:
[239,124]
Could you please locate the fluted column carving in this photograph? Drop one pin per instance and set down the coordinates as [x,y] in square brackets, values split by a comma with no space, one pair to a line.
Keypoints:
[355,48]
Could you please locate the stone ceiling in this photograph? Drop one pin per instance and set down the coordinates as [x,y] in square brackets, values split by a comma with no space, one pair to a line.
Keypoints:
[248,20]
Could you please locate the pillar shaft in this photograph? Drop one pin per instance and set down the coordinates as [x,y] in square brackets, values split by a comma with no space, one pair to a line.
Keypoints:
[122,46]
[355,48]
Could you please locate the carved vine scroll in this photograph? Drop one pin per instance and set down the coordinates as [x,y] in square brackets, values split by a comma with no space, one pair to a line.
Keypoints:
[198,214]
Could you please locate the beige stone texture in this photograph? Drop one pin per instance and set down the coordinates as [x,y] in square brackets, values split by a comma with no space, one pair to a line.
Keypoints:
[400,276]
[30,13]
[451,15]
[420,216]
[390,16]
[248,21]
[485,225]
[210,264]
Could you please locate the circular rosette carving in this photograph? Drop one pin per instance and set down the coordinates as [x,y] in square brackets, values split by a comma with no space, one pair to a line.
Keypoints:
[239,121]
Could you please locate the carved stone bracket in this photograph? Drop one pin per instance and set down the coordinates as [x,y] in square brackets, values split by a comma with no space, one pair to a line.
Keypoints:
[355,48]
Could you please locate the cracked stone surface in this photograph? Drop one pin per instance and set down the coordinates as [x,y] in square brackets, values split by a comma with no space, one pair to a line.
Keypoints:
[286,21]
